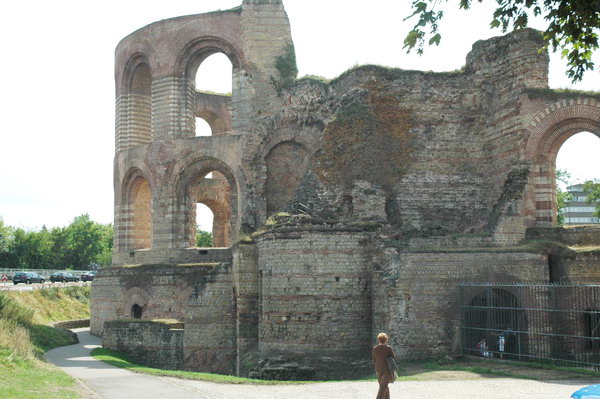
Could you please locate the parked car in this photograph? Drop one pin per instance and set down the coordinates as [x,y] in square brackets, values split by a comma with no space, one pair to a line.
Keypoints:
[63,277]
[27,278]
[88,276]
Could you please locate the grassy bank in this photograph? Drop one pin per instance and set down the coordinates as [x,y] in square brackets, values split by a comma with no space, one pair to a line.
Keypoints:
[25,336]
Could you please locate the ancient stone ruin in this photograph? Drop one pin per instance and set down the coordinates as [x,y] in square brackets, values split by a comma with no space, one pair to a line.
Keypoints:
[341,208]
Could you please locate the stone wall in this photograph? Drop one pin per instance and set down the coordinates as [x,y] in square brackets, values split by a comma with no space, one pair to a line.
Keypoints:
[153,344]
[572,236]
[415,295]
[581,268]
[315,290]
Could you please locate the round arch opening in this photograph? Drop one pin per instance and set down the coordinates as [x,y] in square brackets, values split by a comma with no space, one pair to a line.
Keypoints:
[492,324]
[549,130]
[137,212]
[208,182]
[214,75]
[577,162]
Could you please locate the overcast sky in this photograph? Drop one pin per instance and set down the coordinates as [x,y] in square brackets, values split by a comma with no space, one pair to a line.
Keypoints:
[58,86]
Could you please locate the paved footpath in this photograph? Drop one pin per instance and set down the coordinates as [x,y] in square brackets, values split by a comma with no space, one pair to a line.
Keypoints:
[110,382]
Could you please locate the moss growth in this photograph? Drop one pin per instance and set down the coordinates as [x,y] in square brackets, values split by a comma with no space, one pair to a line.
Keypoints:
[317,78]
[559,94]
[287,68]
[214,93]
[529,246]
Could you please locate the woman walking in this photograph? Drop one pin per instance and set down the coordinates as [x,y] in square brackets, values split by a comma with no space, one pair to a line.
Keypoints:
[381,352]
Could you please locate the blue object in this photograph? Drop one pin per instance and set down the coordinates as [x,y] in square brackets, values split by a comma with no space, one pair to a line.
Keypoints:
[589,392]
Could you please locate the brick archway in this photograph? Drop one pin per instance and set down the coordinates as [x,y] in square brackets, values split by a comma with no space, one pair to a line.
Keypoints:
[548,130]
[134,224]
[215,193]
[188,189]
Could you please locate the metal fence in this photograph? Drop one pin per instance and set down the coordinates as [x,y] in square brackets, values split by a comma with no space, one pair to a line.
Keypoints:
[543,322]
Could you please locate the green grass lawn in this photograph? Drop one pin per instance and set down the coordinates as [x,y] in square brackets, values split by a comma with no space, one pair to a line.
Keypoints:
[119,360]
[425,370]
[25,337]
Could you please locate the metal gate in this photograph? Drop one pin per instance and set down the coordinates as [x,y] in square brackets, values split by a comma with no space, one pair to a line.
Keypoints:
[542,322]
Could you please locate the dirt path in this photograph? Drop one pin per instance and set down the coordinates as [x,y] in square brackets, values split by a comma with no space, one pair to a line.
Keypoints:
[109,382]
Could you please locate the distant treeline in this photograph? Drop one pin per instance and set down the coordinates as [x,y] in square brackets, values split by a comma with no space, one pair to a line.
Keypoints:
[81,244]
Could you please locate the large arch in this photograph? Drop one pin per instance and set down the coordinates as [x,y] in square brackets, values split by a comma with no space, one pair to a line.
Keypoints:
[215,193]
[491,313]
[201,48]
[203,104]
[134,105]
[286,165]
[135,222]
[548,130]
[306,138]
[187,192]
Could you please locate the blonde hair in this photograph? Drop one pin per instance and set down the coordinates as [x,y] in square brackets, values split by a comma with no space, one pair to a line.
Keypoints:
[382,338]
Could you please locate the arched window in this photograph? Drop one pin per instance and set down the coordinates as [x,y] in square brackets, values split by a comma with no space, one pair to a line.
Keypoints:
[203,128]
[213,210]
[136,311]
[204,225]
[134,108]
[213,84]
[215,75]
[286,165]
[576,163]
[492,314]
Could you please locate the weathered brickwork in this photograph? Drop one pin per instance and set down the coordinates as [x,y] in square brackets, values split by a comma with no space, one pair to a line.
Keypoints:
[342,208]
[157,344]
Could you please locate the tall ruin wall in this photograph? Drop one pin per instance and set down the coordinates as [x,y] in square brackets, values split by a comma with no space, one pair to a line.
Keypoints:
[344,207]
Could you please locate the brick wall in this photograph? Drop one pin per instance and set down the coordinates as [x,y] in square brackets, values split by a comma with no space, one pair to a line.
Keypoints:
[152,344]
[578,236]
[415,295]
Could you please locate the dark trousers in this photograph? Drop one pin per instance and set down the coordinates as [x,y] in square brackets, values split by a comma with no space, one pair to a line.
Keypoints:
[384,390]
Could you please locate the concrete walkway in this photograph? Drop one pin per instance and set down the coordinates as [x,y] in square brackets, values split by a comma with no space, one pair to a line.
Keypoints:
[109,382]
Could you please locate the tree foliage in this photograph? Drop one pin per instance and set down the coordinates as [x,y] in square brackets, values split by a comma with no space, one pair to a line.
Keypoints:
[562,197]
[203,238]
[77,246]
[592,188]
[573,26]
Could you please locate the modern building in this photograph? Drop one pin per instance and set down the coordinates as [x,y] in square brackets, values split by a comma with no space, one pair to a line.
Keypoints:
[579,210]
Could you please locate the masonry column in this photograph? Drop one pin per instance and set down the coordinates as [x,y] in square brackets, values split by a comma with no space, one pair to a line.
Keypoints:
[245,274]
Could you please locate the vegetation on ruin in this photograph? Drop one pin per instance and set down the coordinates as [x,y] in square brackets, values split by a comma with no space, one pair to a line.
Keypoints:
[573,26]
[77,246]
[527,246]
[287,68]
[214,93]
[24,337]
[559,94]
[367,140]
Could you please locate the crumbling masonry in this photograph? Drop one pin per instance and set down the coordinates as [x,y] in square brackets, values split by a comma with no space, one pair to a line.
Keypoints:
[342,208]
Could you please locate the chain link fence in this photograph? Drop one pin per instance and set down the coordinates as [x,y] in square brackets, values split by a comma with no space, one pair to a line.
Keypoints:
[543,322]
